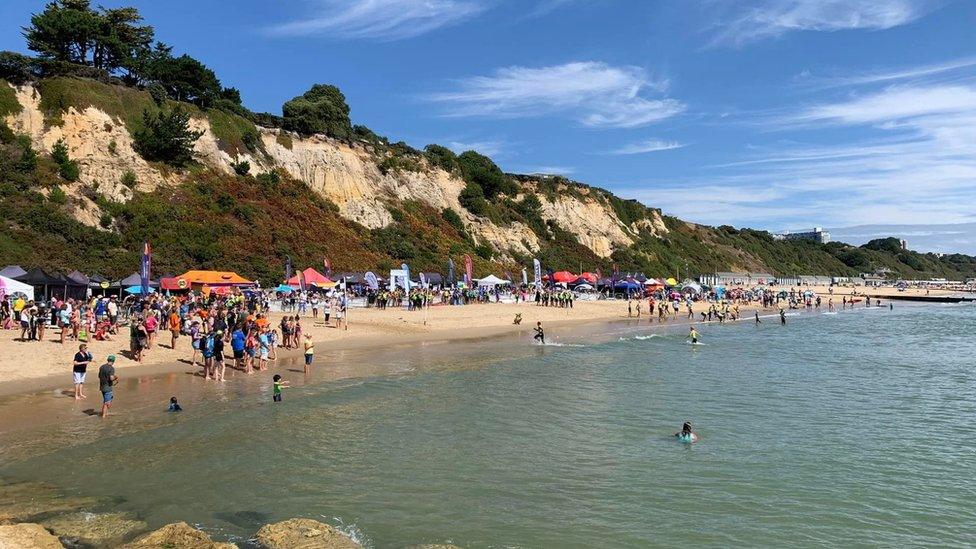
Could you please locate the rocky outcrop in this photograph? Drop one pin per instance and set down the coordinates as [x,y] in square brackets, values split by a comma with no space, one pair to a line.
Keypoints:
[27,536]
[301,533]
[179,535]
[595,225]
[98,529]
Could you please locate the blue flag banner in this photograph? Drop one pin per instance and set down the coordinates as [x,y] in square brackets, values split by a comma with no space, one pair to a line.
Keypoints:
[537,271]
[145,268]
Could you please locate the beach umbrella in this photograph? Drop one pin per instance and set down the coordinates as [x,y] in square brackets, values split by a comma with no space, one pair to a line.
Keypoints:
[671,282]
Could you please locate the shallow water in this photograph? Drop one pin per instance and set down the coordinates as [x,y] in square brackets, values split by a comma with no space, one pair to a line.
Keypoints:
[847,429]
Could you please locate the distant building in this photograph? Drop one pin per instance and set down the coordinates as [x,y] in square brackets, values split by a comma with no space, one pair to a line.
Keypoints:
[816,234]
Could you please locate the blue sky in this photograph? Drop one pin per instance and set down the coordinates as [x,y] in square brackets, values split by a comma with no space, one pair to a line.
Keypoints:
[769,114]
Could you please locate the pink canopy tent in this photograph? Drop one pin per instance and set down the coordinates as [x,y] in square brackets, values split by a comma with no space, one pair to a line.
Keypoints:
[312,278]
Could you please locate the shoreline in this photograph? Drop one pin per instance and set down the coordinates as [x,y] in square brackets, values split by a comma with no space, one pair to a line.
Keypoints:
[371,328]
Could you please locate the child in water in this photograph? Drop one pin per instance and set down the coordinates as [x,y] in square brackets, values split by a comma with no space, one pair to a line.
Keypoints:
[693,335]
[277,386]
[174,406]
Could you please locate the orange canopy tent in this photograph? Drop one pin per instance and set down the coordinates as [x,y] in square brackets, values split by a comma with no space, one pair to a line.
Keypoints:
[312,278]
[214,278]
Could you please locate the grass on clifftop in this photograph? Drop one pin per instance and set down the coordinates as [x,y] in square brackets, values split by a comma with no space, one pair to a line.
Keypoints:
[235,135]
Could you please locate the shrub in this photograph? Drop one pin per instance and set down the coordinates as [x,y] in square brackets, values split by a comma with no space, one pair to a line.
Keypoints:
[112,147]
[6,134]
[322,109]
[453,219]
[480,170]
[442,157]
[284,140]
[16,68]
[57,196]
[28,156]
[241,168]
[473,199]
[484,251]
[105,221]
[129,179]
[67,168]
[8,100]
[166,137]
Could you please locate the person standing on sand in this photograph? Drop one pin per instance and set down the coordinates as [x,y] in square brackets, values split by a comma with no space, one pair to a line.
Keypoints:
[106,381]
[80,369]
[309,352]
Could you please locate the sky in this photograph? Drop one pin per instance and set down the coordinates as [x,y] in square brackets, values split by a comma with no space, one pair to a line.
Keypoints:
[771,114]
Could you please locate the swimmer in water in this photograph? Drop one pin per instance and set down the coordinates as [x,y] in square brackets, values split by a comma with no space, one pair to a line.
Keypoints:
[685,431]
[540,334]
[693,335]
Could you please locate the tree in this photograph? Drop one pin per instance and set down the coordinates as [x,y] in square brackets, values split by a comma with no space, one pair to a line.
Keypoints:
[322,109]
[184,78]
[71,31]
[67,167]
[166,137]
[480,170]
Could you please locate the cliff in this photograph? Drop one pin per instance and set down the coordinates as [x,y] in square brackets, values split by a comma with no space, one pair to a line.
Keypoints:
[364,204]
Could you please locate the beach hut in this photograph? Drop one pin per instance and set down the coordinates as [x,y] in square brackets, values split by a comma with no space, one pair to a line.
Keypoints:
[10,287]
[12,271]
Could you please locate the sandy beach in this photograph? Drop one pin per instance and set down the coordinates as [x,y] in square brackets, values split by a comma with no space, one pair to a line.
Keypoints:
[32,366]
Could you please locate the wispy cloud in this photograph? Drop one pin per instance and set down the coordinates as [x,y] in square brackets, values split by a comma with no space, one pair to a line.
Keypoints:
[647,146]
[595,94]
[487,148]
[552,170]
[912,160]
[744,22]
[894,104]
[383,20]
[916,73]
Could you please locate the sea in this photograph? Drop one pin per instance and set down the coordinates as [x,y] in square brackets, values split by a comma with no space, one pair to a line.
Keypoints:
[853,428]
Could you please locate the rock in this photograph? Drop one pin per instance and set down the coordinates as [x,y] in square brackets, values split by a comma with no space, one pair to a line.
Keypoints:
[94,528]
[22,501]
[300,533]
[179,535]
[27,536]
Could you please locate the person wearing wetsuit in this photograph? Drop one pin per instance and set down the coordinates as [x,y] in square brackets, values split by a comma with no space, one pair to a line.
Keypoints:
[685,430]
[540,334]
[782,316]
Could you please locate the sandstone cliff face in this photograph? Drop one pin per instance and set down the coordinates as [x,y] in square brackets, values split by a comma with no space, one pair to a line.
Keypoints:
[346,175]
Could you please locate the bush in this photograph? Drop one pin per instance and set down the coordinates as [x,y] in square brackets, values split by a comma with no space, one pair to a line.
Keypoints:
[241,168]
[67,168]
[166,137]
[442,157]
[322,109]
[112,147]
[484,251]
[129,179]
[473,199]
[453,219]
[57,196]
[480,170]
[284,140]
[6,134]
[28,156]
[105,221]
[8,100]
[69,171]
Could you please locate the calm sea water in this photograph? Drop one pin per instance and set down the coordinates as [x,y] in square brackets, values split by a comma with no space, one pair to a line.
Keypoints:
[848,429]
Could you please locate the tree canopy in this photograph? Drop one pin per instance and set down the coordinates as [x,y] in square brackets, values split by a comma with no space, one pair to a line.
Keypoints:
[322,109]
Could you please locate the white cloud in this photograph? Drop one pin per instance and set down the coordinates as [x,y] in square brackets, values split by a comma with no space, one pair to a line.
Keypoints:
[553,170]
[380,19]
[487,148]
[910,74]
[913,161]
[596,94]
[647,146]
[894,104]
[749,22]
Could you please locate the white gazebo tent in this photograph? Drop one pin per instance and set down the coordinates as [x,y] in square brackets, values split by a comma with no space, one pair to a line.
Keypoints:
[492,280]
[11,287]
